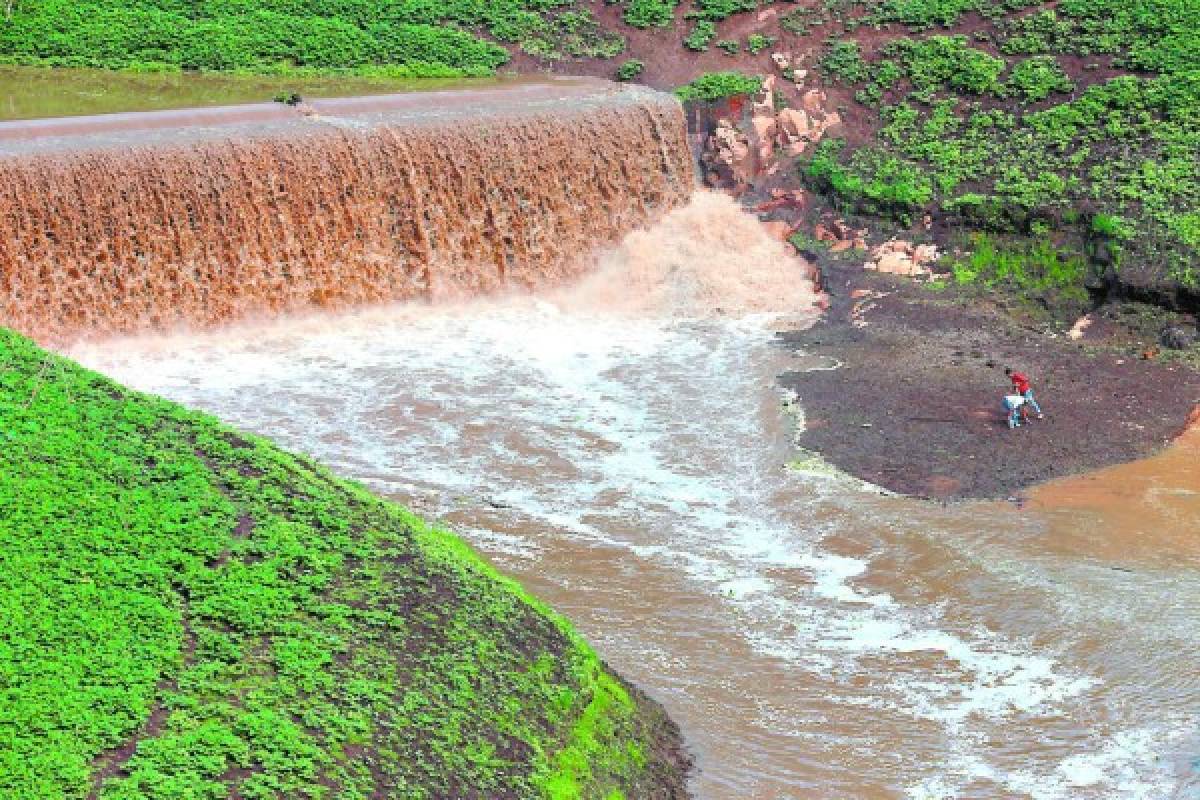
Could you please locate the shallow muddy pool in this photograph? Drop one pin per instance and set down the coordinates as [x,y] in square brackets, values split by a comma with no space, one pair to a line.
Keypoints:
[35,92]
[813,637]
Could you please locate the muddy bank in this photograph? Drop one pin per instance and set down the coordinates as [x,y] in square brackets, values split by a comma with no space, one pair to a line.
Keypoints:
[914,405]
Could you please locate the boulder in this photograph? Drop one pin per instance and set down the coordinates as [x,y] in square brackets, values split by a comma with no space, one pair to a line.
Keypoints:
[778,229]
[925,254]
[814,101]
[1178,337]
[896,263]
[794,122]
[782,60]
[823,234]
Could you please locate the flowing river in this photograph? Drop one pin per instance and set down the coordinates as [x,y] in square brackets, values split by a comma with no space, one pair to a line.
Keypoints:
[813,636]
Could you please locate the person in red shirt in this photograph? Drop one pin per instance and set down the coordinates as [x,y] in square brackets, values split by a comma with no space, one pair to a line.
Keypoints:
[1020,382]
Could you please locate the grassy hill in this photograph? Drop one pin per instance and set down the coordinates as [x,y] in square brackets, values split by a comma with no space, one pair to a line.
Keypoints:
[192,613]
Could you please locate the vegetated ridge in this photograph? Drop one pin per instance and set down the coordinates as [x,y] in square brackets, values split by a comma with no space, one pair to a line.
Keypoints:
[190,612]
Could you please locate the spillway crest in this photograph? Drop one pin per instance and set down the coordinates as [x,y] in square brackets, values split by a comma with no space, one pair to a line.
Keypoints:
[150,221]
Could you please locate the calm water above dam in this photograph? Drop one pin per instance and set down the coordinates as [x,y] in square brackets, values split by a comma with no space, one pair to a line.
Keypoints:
[621,450]
[34,92]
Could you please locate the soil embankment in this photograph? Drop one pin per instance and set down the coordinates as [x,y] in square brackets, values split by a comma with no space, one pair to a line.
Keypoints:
[914,404]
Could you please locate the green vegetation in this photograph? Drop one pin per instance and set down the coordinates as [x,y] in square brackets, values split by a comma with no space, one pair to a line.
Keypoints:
[191,613]
[630,70]
[717,10]
[756,42]
[409,37]
[1023,127]
[714,86]
[730,46]
[1037,78]
[649,13]
[701,36]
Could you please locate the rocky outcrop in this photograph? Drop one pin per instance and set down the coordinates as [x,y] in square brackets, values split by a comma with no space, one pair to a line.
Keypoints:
[740,154]
[898,257]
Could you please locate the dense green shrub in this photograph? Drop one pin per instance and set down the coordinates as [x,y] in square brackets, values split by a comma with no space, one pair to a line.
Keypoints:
[937,62]
[237,35]
[756,42]
[1038,77]
[630,70]
[716,10]
[843,62]
[650,13]
[700,37]
[717,85]
[1036,265]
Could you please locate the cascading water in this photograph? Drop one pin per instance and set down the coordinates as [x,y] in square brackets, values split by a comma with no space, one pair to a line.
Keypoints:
[618,445]
[121,224]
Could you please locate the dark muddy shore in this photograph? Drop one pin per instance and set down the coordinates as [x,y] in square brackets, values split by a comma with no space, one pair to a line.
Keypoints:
[915,405]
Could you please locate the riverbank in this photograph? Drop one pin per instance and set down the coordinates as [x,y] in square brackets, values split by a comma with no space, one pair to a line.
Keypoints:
[914,403]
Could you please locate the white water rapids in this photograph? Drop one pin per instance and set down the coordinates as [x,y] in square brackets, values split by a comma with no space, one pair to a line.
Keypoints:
[813,637]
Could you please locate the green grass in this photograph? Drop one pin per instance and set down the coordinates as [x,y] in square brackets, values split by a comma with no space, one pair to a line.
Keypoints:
[713,86]
[189,612]
[453,37]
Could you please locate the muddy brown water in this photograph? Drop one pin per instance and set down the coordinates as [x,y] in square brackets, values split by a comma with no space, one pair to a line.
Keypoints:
[814,637]
[38,92]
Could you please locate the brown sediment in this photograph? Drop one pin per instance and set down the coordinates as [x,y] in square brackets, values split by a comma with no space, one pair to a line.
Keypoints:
[127,223]
[1146,510]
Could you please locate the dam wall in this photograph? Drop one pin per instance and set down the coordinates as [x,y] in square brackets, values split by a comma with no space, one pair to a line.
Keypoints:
[163,220]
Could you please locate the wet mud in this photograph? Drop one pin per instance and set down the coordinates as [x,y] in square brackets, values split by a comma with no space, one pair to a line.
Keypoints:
[914,403]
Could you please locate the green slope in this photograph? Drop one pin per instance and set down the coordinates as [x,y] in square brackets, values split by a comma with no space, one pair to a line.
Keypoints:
[1075,124]
[186,612]
[420,38]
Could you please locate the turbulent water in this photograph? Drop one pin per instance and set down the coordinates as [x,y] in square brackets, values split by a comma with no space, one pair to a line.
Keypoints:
[202,217]
[621,448]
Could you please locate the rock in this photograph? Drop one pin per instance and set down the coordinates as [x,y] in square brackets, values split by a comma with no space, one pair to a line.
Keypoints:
[925,254]
[794,122]
[814,101]
[897,264]
[893,246]
[727,156]
[823,234]
[778,229]
[842,246]
[782,60]
[1178,337]
[1081,325]
[798,76]
[860,243]
[832,121]
[769,13]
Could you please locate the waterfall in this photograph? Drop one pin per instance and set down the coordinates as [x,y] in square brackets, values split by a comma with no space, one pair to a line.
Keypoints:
[194,219]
